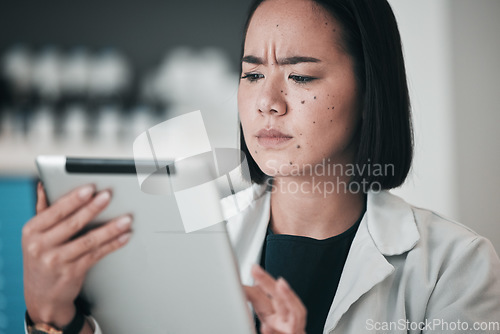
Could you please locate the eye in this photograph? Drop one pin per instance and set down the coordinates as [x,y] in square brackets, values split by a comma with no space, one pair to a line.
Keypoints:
[301,79]
[252,77]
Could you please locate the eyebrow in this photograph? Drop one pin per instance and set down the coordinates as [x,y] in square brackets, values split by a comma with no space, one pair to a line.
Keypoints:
[282,61]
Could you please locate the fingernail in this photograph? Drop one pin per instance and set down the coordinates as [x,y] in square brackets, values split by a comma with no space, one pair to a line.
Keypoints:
[124,238]
[124,222]
[283,282]
[103,197]
[86,191]
[257,267]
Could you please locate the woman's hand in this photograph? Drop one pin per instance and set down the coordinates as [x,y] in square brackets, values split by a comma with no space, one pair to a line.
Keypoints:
[54,263]
[279,309]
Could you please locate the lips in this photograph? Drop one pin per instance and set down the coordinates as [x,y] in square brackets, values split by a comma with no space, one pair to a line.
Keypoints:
[271,138]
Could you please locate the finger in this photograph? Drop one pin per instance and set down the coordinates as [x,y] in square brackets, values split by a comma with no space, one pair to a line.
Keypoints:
[62,232]
[95,239]
[264,280]
[61,208]
[290,298]
[269,284]
[261,303]
[84,263]
[41,203]
[280,304]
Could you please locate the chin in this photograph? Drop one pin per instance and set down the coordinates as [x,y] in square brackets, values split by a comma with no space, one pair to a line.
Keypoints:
[277,167]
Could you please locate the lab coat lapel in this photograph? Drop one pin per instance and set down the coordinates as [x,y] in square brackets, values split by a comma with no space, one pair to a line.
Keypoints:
[388,228]
[365,267]
[247,229]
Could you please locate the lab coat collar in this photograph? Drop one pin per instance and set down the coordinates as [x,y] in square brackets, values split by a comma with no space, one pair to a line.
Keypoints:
[391,223]
[389,219]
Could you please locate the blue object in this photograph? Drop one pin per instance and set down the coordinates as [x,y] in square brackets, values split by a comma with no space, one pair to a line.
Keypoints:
[17,206]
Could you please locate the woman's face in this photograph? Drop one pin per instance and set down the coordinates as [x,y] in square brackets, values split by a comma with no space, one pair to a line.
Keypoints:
[297,96]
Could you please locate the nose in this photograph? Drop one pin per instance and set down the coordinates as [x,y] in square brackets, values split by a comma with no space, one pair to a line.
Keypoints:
[271,99]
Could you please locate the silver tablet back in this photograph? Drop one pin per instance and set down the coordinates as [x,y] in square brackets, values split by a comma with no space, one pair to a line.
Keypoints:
[165,280]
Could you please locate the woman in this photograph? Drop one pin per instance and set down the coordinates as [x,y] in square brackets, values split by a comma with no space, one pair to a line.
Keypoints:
[325,125]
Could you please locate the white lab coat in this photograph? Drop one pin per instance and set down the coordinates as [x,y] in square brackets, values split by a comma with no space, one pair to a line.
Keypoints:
[407,270]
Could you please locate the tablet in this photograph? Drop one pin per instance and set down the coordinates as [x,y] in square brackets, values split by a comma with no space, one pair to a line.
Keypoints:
[164,280]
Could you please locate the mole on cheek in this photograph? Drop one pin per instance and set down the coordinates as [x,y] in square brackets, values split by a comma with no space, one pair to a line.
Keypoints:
[314,122]
[331,120]
[315,97]
[291,163]
[298,146]
[302,102]
[282,91]
[255,151]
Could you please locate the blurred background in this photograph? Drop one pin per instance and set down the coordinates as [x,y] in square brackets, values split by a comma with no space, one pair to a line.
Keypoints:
[85,78]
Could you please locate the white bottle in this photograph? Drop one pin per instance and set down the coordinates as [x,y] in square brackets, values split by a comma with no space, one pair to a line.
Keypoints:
[141,119]
[74,129]
[47,74]
[110,75]
[75,73]
[41,130]
[108,129]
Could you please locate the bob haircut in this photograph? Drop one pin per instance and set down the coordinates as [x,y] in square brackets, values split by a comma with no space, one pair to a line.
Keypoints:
[371,37]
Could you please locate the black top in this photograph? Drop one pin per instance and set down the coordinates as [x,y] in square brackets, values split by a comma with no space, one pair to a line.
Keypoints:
[312,268]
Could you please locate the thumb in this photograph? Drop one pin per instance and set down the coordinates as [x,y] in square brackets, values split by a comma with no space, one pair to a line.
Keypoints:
[41,203]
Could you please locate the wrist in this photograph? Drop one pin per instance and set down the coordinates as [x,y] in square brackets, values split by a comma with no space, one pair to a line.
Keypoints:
[63,316]
[57,317]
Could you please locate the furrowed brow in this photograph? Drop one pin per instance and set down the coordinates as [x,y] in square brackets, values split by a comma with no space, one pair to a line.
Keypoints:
[252,60]
[297,59]
[283,61]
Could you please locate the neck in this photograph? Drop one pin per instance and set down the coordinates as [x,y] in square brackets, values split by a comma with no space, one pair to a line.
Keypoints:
[314,207]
